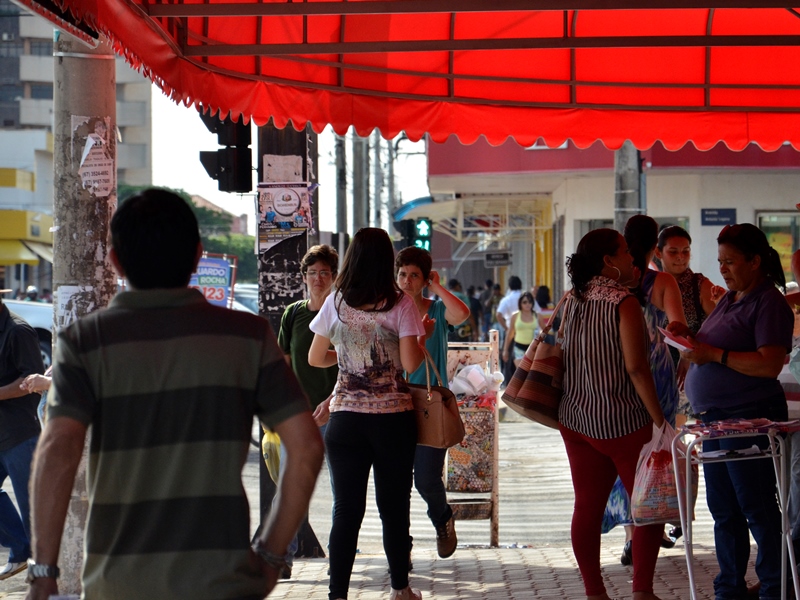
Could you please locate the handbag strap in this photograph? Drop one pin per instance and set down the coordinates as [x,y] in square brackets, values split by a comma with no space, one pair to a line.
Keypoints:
[429,364]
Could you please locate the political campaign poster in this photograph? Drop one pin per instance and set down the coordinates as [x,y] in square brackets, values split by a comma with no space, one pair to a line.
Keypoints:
[284,211]
[213,279]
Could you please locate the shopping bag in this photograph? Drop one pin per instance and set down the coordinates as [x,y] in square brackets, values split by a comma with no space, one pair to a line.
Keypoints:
[536,387]
[655,492]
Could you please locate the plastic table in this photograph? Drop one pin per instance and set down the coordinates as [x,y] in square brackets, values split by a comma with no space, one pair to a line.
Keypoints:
[685,449]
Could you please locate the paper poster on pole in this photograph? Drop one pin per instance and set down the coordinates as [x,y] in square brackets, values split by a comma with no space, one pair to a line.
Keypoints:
[284,211]
[213,279]
[73,301]
[92,146]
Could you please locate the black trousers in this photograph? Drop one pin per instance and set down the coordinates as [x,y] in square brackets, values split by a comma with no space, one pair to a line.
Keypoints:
[356,442]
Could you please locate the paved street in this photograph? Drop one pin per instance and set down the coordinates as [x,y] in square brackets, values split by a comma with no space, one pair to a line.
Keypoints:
[534,560]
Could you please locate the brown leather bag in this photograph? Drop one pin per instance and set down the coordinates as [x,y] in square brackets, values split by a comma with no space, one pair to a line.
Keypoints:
[439,423]
[536,388]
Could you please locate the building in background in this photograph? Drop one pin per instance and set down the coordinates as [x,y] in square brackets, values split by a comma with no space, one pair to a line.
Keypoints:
[556,195]
[26,134]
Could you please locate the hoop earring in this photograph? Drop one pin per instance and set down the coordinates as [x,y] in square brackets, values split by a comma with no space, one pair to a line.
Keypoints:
[619,273]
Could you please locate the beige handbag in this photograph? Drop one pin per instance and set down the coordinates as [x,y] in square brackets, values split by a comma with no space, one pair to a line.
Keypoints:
[439,423]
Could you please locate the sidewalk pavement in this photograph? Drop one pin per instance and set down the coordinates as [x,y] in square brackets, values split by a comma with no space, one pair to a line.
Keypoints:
[534,560]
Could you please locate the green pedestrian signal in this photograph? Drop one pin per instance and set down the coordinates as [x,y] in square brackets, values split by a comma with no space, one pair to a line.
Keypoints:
[423,229]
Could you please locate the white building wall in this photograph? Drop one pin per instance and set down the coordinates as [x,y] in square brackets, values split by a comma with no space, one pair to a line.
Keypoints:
[682,194]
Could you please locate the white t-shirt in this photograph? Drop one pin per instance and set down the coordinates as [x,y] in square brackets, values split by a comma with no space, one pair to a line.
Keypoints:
[368,348]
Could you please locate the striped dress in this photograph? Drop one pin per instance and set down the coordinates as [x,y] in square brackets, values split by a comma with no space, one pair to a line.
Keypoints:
[599,399]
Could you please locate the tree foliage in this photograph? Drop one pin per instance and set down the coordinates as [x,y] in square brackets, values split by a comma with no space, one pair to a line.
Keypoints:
[215,233]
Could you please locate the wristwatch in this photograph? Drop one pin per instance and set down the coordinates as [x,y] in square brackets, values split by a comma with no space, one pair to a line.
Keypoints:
[38,571]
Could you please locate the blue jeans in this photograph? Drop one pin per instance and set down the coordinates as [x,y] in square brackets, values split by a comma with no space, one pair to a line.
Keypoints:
[741,496]
[15,527]
[291,550]
[428,467]
[356,443]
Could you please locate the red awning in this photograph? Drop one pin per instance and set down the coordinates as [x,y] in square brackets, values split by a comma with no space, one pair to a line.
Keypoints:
[695,71]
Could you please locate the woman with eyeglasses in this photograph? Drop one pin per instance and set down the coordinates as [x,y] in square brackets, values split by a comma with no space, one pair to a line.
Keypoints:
[523,326]
[736,358]
[377,334]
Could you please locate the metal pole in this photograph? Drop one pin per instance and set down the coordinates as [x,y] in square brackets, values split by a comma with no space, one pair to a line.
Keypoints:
[360,192]
[84,160]
[377,176]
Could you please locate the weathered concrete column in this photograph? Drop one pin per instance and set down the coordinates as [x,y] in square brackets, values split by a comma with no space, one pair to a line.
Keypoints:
[628,193]
[84,157]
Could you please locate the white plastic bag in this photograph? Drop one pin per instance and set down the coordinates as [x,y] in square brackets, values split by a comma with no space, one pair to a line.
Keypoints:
[470,380]
[655,493]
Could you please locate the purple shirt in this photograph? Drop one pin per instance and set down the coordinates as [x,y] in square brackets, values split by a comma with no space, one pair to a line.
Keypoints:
[761,318]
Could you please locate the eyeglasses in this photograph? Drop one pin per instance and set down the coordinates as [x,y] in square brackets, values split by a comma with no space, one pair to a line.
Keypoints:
[320,274]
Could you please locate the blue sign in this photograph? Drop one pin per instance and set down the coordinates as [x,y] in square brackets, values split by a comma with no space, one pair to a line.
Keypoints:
[213,279]
[717,216]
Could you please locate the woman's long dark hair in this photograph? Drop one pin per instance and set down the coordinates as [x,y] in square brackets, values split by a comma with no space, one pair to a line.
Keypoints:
[367,273]
[587,262]
[751,241]
[641,233]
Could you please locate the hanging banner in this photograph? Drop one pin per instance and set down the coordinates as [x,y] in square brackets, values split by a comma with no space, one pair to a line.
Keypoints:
[284,211]
[213,279]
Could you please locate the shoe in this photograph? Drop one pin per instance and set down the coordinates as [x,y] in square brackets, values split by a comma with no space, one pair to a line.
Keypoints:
[667,542]
[12,569]
[286,572]
[446,540]
[676,532]
[627,554]
[753,590]
[408,593]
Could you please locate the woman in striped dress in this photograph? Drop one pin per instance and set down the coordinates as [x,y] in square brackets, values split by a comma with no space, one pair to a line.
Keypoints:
[609,403]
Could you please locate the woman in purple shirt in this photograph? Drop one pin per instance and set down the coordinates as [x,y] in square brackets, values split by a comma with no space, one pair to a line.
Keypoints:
[737,355]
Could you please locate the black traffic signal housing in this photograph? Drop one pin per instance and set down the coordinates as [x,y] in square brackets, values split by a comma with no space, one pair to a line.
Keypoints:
[423,230]
[406,229]
[231,166]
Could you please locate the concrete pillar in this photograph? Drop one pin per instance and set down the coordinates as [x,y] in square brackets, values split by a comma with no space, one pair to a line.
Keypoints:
[84,157]
[341,185]
[628,197]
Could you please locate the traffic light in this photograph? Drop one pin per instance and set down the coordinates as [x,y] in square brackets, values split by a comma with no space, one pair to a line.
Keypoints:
[231,166]
[423,230]
[406,229]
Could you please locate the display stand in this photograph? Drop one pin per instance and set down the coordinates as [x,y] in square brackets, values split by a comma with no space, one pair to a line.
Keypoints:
[472,465]
[685,450]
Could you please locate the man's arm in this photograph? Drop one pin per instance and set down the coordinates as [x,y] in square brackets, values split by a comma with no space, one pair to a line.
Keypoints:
[304,451]
[12,390]
[54,466]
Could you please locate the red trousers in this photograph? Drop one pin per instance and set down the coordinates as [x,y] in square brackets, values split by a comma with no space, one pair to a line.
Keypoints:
[595,465]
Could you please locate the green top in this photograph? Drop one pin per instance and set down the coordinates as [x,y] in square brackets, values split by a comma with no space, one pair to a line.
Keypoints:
[170,384]
[318,383]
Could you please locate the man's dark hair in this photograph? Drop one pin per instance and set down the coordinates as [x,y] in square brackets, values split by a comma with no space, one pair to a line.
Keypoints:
[514,283]
[320,253]
[155,236]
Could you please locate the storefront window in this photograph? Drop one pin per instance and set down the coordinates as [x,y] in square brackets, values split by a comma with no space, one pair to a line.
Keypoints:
[783,232]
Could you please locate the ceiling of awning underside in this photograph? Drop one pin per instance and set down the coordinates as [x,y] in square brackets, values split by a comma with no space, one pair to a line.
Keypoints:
[674,71]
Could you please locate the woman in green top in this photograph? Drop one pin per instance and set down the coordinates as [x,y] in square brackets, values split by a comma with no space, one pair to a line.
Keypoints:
[413,273]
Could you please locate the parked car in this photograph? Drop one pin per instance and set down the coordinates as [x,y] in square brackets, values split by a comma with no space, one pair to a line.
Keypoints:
[247,294]
[39,315]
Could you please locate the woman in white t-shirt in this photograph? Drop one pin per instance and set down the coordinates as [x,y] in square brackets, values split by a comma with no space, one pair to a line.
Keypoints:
[377,334]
